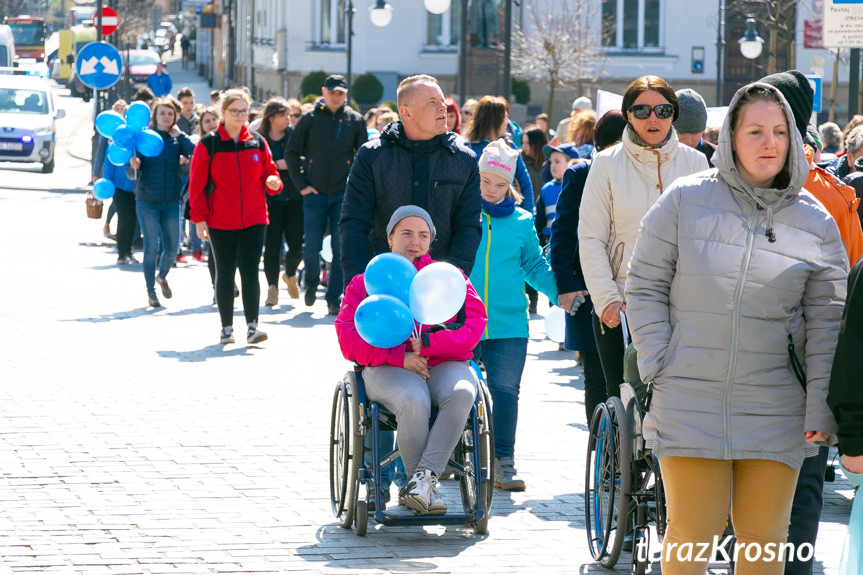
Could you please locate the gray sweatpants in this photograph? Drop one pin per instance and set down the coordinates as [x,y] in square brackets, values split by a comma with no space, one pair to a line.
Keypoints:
[451,387]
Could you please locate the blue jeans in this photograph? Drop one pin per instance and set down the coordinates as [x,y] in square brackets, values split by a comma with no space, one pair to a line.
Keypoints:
[318,211]
[503,360]
[806,509]
[158,223]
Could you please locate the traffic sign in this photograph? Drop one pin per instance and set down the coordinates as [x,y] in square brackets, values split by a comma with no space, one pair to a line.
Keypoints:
[815,82]
[99,65]
[843,24]
[108,20]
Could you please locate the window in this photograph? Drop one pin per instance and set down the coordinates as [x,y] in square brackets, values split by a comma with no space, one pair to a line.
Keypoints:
[442,30]
[632,24]
[332,22]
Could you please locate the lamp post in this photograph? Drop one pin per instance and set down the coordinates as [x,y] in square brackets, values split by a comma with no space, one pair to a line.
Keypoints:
[381,13]
[751,44]
[720,51]
[349,16]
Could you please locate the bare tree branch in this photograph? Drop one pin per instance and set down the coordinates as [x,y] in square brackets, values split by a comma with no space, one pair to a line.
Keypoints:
[562,44]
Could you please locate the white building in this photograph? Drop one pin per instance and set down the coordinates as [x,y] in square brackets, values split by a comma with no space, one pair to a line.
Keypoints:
[278,42]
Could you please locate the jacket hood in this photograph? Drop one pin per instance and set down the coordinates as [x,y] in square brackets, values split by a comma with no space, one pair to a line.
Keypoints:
[393,132]
[770,199]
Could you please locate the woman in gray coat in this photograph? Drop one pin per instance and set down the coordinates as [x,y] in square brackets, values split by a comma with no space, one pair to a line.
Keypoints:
[734,270]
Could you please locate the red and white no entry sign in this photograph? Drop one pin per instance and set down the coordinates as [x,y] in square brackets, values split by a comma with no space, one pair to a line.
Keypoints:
[109,20]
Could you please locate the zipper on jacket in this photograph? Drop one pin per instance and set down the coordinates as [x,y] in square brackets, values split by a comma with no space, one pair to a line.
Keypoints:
[735,332]
[240,181]
[487,251]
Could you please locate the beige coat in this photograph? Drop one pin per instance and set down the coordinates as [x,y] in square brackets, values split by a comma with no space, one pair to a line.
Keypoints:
[624,181]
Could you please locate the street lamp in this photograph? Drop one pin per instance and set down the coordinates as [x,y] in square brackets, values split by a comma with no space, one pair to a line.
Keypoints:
[751,43]
[381,13]
[349,15]
[437,6]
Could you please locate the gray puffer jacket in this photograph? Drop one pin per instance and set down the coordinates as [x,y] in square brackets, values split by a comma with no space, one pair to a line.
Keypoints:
[712,300]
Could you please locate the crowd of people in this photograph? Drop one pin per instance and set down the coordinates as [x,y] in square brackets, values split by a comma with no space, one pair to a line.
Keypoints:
[730,258]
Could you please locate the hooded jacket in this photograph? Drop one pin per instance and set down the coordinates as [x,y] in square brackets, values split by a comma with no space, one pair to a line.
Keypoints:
[452,341]
[239,171]
[721,277]
[322,147]
[624,181]
[158,179]
[382,179]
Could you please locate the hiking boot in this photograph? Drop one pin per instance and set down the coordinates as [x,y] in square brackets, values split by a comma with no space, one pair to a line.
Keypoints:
[293,286]
[506,476]
[255,335]
[227,336]
[272,296]
[152,300]
[166,289]
[417,493]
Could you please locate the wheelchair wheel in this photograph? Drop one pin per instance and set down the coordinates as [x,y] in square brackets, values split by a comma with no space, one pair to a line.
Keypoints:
[476,486]
[361,523]
[346,450]
[660,513]
[607,482]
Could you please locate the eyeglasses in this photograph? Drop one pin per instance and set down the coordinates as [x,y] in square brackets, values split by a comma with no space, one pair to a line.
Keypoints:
[642,111]
[235,113]
[295,115]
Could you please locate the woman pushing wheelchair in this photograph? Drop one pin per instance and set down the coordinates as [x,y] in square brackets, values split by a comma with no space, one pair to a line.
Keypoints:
[432,369]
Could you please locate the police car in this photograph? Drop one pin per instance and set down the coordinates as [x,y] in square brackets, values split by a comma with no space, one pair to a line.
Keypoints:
[28,117]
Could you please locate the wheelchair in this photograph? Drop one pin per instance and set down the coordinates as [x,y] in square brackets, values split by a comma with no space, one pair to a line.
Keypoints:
[623,483]
[354,485]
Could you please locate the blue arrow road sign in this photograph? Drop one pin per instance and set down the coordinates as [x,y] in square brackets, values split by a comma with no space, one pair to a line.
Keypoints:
[99,65]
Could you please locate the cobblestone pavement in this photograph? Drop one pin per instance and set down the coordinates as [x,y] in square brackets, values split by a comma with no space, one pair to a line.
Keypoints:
[131,442]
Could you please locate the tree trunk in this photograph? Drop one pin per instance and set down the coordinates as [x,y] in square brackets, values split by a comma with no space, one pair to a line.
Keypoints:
[551,99]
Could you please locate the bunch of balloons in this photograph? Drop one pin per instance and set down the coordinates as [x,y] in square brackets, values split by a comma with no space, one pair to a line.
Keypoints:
[129,134]
[398,296]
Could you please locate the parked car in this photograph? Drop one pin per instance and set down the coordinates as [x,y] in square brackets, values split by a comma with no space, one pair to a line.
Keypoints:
[28,117]
[142,63]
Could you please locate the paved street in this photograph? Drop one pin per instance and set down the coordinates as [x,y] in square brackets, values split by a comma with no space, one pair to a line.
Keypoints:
[132,442]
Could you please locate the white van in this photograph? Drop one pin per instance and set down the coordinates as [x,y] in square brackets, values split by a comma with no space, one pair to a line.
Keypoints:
[7,47]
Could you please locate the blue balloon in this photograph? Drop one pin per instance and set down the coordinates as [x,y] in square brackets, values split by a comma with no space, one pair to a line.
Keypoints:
[390,274]
[107,123]
[103,189]
[119,156]
[124,137]
[383,321]
[138,115]
[149,143]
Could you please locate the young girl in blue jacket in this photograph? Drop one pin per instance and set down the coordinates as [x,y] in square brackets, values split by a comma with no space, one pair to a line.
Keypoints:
[508,255]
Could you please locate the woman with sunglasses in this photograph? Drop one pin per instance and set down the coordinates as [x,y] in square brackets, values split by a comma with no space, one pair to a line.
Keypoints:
[285,208]
[232,173]
[624,181]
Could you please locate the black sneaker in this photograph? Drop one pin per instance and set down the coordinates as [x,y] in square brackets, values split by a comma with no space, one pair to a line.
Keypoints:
[121,261]
[166,289]
[226,337]
[311,295]
[152,300]
[130,259]
[333,308]
[256,336]
[236,290]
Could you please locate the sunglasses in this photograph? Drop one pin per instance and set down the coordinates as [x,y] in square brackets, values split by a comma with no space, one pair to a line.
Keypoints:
[295,115]
[642,111]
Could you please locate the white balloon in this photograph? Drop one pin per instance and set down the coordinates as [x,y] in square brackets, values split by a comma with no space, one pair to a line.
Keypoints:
[555,324]
[327,250]
[437,293]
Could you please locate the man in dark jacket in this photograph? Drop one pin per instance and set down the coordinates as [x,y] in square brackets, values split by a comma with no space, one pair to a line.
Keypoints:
[415,161]
[319,155]
[845,395]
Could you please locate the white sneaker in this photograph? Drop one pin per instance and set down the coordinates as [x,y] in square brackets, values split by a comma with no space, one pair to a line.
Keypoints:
[417,494]
[436,503]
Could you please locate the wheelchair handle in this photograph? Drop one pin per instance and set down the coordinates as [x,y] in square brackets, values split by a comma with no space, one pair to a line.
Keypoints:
[625,328]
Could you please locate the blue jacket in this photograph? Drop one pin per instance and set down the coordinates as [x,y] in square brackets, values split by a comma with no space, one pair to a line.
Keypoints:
[508,255]
[525,187]
[545,208]
[159,177]
[440,175]
[160,84]
[117,175]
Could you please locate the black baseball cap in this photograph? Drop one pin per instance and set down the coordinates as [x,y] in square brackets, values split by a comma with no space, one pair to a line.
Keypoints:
[336,82]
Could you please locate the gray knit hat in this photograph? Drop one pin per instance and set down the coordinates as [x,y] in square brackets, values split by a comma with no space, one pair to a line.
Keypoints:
[406,212]
[693,112]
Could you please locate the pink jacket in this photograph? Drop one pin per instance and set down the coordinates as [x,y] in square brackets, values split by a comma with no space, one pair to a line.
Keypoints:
[455,342]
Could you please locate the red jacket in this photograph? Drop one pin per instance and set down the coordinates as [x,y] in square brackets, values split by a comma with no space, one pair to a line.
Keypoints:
[239,171]
[454,343]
